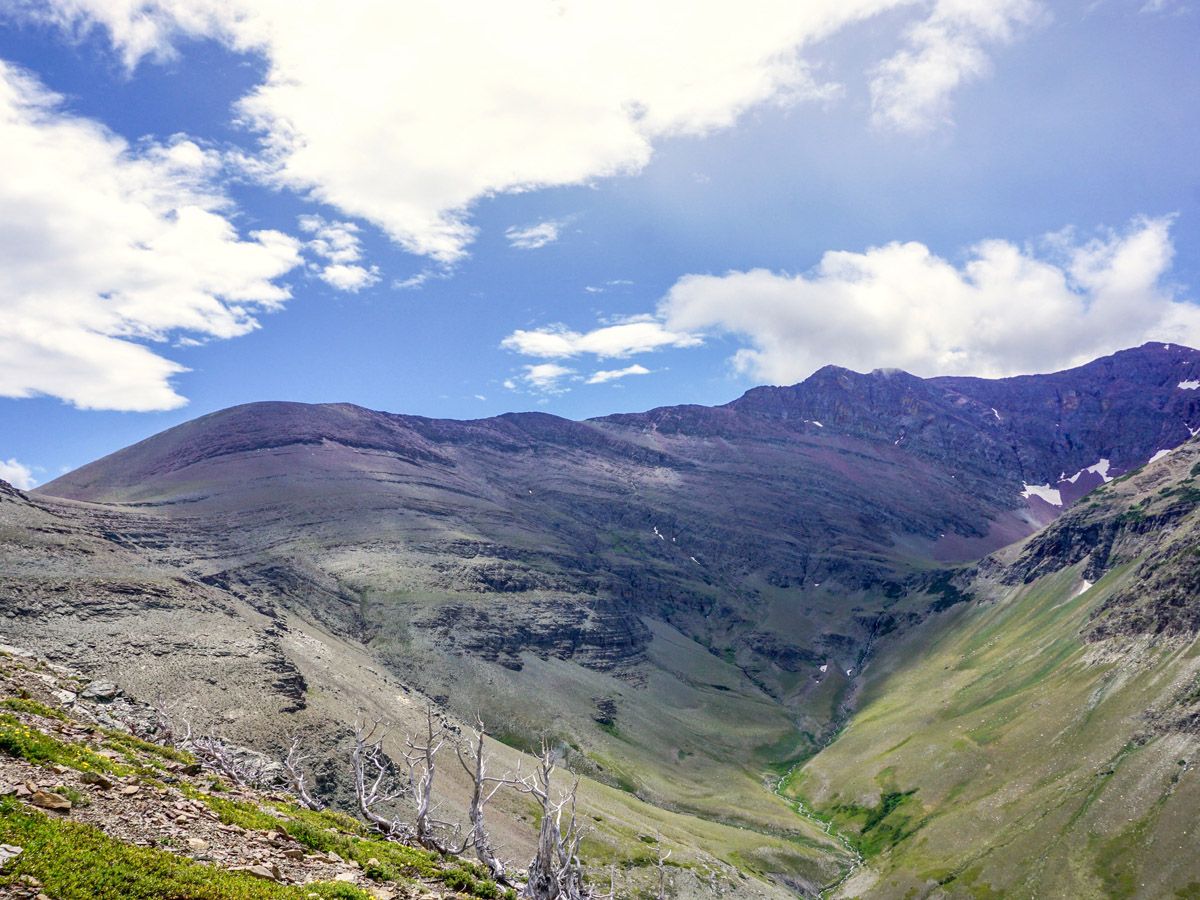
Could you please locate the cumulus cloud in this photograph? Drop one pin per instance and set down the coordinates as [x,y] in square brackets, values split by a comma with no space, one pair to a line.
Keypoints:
[17,474]
[605,375]
[1007,309]
[533,237]
[911,90]
[639,334]
[337,246]
[105,247]
[544,378]
[404,114]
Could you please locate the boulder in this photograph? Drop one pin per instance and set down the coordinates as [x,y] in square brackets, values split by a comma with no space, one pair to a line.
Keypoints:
[50,800]
[104,691]
[258,871]
[100,781]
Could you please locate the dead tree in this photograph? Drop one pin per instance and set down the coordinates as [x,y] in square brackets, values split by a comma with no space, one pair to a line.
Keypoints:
[293,764]
[420,756]
[375,782]
[243,767]
[163,727]
[473,759]
[661,865]
[555,872]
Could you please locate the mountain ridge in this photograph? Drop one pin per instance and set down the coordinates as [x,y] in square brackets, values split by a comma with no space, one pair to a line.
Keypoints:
[686,597]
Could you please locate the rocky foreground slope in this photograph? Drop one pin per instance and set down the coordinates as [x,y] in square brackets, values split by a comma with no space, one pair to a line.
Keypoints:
[89,810]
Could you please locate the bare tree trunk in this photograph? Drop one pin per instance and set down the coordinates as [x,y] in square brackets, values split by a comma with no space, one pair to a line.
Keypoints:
[555,872]
[374,780]
[294,765]
[474,761]
[661,865]
[421,758]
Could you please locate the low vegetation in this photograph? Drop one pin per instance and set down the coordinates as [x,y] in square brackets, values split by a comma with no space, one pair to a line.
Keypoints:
[79,862]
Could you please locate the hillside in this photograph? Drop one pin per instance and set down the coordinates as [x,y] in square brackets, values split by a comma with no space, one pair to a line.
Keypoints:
[80,592]
[88,810]
[1042,742]
[689,601]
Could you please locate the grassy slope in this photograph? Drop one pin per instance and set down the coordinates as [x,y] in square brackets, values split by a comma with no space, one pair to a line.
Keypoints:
[995,753]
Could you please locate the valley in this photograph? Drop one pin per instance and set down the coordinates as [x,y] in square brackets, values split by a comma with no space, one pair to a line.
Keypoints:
[933,611]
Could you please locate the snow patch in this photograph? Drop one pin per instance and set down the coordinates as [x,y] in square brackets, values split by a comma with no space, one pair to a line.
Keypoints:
[657,535]
[1159,455]
[1084,587]
[1189,385]
[814,422]
[995,413]
[825,667]
[1099,468]
[1051,495]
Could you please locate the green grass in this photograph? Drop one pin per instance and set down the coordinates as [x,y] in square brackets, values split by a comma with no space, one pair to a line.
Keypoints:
[126,743]
[332,832]
[32,707]
[878,827]
[23,742]
[78,862]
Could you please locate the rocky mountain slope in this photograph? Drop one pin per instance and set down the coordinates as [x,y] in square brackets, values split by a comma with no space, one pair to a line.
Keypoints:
[1043,741]
[90,810]
[82,584]
[687,599]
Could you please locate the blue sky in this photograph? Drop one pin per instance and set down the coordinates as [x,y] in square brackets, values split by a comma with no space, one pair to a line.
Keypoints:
[573,207]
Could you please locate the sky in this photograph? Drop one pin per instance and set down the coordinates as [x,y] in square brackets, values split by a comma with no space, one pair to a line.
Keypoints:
[467,208]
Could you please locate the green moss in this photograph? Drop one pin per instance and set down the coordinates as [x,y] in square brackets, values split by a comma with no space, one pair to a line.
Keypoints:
[79,862]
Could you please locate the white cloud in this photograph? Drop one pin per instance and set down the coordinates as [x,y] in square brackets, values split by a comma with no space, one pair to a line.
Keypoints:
[545,378]
[1006,310]
[637,335]
[911,90]
[104,246]
[533,237]
[604,375]
[349,278]
[405,114]
[17,474]
[338,245]
[608,285]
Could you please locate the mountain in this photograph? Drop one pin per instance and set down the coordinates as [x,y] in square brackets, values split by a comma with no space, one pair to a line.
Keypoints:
[112,594]
[689,599]
[1042,741]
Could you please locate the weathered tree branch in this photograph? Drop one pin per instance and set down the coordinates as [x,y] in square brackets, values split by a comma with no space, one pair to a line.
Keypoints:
[293,764]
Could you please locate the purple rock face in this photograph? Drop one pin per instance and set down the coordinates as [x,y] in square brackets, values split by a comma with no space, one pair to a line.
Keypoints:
[735,524]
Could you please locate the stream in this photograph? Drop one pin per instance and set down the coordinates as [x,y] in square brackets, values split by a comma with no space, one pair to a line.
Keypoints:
[801,809]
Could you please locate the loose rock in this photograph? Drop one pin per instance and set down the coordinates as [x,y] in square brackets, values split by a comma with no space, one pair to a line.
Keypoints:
[103,691]
[49,800]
